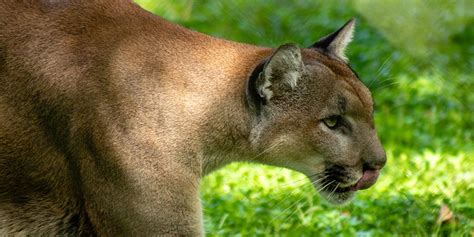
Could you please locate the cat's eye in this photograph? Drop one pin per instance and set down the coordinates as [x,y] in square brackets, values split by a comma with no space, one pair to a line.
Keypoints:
[332,122]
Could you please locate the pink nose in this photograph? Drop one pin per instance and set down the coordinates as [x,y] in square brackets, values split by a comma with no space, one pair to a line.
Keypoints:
[368,179]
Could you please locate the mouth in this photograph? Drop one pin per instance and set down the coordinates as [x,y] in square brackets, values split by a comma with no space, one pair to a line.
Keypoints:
[337,187]
[333,189]
[369,177]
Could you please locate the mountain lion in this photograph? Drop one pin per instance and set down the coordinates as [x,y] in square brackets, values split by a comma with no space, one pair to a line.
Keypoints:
[110,117]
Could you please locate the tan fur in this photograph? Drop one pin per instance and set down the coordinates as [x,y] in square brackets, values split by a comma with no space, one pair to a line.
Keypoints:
[110,116]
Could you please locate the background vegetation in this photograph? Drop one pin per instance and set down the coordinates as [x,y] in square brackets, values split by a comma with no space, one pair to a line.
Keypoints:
[417,57]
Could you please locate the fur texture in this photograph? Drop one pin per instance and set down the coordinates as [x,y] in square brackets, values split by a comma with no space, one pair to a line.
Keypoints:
[110,116]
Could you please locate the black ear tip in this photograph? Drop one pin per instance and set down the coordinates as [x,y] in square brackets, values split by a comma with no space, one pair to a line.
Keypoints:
[351,21]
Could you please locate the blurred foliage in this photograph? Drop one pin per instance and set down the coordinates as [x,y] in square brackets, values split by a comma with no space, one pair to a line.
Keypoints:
[417,57]
[424,29]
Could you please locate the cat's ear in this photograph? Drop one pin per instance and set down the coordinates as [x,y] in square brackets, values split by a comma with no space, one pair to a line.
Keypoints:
[336,42]
[281,71]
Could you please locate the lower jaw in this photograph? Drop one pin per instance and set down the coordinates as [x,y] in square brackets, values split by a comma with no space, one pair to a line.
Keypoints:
[339,198]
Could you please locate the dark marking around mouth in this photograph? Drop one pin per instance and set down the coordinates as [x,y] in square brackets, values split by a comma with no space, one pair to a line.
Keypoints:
[336,175]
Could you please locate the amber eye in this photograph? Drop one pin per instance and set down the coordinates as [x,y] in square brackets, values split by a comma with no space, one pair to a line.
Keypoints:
[332,122]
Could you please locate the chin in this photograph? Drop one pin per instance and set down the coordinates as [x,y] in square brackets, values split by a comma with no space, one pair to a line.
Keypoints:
[339,198]
[335,195]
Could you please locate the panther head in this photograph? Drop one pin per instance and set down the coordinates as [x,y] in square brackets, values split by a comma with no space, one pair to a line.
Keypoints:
[314,115]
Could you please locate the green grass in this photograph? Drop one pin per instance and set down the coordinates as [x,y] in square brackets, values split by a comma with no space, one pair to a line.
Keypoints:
[417,58]
[257,200]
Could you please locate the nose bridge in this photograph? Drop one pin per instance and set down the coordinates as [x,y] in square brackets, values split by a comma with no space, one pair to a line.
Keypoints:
[375,157]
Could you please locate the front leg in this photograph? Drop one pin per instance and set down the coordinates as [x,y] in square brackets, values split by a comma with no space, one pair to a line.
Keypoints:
[140,188]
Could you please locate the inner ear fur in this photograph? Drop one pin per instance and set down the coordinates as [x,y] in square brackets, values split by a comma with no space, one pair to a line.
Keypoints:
[282,70]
